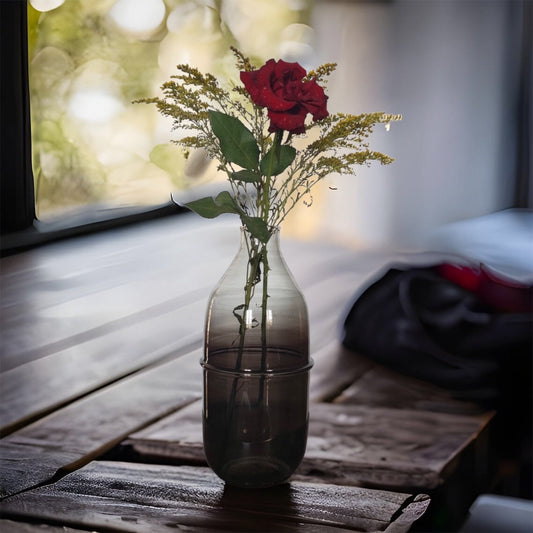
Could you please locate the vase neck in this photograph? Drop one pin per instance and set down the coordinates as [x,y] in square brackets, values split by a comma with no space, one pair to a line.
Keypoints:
[249,243]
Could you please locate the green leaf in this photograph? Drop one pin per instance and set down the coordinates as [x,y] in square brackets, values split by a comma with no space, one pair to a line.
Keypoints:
[236,140]
[225,200]
[211,208]
[257,228]
[276,161]
[247,176]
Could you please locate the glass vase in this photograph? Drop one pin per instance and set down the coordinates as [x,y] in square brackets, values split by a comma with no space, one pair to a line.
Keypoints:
[256,369]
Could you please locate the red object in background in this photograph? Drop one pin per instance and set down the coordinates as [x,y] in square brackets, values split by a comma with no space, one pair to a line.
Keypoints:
[501,294]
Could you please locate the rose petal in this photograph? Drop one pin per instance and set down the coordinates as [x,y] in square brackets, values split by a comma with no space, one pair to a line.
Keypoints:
[289,71]
[249,79]
[314,100]
[292,121]
[259,84]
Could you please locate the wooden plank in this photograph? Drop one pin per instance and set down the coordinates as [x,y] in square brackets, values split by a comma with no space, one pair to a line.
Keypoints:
[10,526]
[348,444]
[125,346]
[381,387]
[47,276]
[160,498]
[27,460]
[76,434]
[334,370]
[392,448]
[35,389]
[176,438]
[142,288]
[71,293]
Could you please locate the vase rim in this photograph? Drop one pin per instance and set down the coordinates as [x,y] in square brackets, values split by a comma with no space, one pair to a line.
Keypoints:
[247,372]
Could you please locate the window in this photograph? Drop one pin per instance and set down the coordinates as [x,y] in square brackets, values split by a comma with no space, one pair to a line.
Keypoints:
[90,58]
[93,148]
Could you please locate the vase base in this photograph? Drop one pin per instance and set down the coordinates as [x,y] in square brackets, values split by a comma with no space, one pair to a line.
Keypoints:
[255,472]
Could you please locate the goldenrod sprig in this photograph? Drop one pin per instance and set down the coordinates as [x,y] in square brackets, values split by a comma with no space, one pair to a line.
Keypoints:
[268,177]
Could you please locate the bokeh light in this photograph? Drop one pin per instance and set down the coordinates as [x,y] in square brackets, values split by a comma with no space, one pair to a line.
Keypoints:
[91,58]
[94,105]
[46,5]
[138,17]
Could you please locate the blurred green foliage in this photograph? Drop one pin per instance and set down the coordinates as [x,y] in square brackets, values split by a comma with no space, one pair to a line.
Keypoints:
[90,145]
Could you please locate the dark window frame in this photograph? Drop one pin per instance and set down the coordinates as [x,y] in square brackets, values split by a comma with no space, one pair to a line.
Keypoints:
[19,227]
[17,196]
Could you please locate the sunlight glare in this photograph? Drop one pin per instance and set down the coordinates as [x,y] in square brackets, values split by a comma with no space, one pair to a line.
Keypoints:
[94,105]
[46,5]
[138,16]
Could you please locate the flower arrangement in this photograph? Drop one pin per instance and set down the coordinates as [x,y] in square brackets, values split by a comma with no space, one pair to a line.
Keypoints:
[275,139]
[251,130]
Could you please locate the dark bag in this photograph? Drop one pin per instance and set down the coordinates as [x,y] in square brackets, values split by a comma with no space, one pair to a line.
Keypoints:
[476,342]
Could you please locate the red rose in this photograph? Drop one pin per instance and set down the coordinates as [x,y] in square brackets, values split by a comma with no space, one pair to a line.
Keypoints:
[278,86]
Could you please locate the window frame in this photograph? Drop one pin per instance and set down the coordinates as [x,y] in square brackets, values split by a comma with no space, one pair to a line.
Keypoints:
[19,227]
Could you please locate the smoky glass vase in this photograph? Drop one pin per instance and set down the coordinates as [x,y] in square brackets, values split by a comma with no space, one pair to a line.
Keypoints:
[256,369]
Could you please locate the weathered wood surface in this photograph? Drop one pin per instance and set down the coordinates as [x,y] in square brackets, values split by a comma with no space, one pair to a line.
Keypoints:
[67,293]
[106,368]
[11,526]
[76,434]
[381,387]
[347,444]
[380,447]
[139,330]
[92,425]
[175,438]
[335,369]
[74,292]
[92,365]
[159,498]
[101,343]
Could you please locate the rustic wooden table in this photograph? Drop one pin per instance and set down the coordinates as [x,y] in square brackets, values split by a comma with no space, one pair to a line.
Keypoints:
[100,389]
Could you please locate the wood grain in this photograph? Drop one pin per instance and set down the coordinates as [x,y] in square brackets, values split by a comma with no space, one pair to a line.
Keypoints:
[128,344]
[70,295]
[10,526]
[380,447]
[347,445]
[381,387]
[175,438]
[79,432]
[76,434]
[127,497]
[101,342]
[63,294]
[32,390]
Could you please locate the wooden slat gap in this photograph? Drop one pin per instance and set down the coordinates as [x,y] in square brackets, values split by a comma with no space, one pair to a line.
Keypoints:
[96,454]
[409,512]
